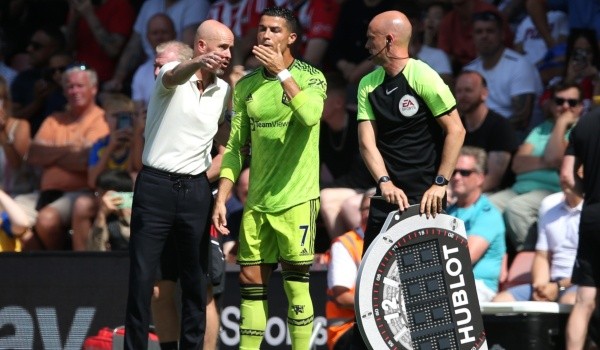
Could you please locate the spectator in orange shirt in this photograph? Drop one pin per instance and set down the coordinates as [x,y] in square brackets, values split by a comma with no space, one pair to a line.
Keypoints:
[61,147]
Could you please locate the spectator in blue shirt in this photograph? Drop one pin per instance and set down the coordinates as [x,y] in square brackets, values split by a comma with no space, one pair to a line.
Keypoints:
[483,222]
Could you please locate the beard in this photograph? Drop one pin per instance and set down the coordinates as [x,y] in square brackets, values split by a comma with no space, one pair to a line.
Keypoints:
[465,108]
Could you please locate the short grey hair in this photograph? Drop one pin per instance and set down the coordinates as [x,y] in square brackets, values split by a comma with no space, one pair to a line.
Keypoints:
[478,154]
[92,75]
[184,51]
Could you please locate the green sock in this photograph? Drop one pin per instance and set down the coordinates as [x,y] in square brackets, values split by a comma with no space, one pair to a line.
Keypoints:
[300,311]
[253,309]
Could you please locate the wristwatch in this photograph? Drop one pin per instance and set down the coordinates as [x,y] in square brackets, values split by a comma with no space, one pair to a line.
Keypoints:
[440,180]
[561,288]
[384,178]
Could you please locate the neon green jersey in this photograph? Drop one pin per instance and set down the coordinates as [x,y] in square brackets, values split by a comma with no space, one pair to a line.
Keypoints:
[284,137]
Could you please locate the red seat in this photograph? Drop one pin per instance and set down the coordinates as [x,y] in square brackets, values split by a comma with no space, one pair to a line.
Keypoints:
[519,271]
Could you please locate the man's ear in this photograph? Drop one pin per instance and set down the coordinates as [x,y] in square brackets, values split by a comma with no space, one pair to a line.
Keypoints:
[480,179]
[201,46]
[292,38]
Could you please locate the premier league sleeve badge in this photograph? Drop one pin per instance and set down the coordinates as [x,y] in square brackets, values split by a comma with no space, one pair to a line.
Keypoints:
[415,288]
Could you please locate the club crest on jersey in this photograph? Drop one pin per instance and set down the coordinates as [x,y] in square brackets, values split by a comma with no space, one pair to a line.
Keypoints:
[285,99]
[408,106]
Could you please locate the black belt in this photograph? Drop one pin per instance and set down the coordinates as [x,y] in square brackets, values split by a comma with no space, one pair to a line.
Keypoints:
[170,175]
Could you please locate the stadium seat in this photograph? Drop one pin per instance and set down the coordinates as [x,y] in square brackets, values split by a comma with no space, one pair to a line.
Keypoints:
[519,271]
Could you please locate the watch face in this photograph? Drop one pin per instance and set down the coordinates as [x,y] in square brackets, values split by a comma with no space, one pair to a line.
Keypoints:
[440,180]
[415,288]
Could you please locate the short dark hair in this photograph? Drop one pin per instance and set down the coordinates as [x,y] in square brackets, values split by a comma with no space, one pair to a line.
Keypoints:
[115,180]
[469,71]
[290,18]
[489,16]
[562,86]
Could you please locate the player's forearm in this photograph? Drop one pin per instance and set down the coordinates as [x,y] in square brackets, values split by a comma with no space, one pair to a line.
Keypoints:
[225,188]
[307,108]
[453,142]
[368,150]
[215,167]
[182,72]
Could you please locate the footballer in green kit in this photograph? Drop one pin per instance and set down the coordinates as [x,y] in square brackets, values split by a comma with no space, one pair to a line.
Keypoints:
[277,109]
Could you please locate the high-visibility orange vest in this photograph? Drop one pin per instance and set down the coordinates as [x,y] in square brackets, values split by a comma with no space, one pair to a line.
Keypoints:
[339,320]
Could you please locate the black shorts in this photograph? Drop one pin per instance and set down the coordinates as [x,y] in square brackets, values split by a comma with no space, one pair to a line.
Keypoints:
[169,268]
[586,271]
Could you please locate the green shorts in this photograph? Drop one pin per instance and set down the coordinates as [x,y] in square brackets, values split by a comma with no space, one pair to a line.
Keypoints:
[286,236]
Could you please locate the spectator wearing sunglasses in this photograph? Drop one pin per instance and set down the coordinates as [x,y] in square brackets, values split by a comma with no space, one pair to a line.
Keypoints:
[29,89]
[483,222]
[535,165]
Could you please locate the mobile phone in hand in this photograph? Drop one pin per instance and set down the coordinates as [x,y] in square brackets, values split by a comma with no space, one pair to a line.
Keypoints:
[127,199]
[124,120]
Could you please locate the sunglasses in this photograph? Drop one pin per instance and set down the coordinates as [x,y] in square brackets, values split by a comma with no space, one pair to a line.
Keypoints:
[463,172]
[571,101]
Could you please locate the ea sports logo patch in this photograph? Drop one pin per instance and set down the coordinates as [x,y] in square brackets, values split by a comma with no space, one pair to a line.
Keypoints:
[408,106]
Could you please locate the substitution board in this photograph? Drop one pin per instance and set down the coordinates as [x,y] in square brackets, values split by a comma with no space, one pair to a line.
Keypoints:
[415,287]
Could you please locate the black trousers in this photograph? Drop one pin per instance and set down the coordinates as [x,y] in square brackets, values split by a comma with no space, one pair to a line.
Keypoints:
[163,203]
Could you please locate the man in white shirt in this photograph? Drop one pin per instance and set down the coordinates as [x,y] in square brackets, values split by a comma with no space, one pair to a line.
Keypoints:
[513,83]
[172,193]
[555,251]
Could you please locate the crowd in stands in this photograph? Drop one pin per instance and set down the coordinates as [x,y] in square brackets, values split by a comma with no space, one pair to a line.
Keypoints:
[76,77]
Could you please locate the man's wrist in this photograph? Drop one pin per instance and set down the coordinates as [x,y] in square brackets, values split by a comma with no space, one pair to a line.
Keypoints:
[561,288]
[284,75]
[383,179]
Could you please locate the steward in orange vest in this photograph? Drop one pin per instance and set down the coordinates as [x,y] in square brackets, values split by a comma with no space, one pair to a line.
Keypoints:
[341,319]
